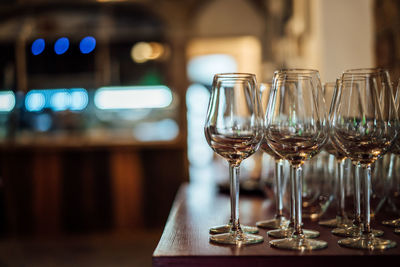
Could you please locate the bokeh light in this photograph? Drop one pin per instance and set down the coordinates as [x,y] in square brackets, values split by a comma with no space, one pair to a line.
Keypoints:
[133,97]
[60,100]
[61,45]
[87,44]
[35,100]
[7,101]
[79,99]
[38,46]
[143,51]
[74,99]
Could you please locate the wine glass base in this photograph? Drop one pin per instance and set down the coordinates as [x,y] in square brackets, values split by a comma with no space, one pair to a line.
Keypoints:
[393,223]
[353,231]
[298,243]
[226,228]
[336,223]
[280,222]
[237,239]
[369,242]
[288,232]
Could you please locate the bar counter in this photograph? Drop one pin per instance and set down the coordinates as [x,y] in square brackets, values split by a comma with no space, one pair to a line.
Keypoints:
[185,240]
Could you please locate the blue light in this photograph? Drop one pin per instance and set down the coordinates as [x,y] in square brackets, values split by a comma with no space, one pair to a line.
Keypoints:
[60,100]
[35,100]
[37,46]
[61,45]
[78,99]
[87,44]
[74,99]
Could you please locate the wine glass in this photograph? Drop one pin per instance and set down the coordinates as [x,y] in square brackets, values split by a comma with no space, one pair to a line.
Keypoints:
[279,77]
[355,229]
[234,130]
[341,220]
[279,220]
[296,129]
[364,132]
[226,228]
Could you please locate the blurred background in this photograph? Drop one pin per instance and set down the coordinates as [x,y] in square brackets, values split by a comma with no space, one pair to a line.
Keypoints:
[102,105]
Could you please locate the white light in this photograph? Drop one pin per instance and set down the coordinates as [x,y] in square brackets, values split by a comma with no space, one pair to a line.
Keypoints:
[7,101]
[197,97]
[60,100]
[133,97]
[202,69]
[35,101]
[79,99]
[163,130]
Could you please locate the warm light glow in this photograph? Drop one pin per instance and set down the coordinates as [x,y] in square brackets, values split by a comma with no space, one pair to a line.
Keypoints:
[7,101]
[133,97]
[246,50]
[142,51]
[157,50]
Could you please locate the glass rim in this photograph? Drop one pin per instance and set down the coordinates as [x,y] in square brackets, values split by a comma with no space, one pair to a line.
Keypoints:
[293,77]
[233,74]
[294,70]
[365,70]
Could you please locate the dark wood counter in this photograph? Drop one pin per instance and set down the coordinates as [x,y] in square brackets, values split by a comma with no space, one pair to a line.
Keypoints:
[185,240]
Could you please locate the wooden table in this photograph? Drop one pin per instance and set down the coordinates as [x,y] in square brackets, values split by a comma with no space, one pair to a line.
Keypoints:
[185,240]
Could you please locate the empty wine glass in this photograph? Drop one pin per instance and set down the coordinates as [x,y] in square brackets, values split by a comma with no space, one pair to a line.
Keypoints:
[279,77]
[234,130]
[341,220]
[363,125]
[355,229]
[296,129]
[279,220]
[226,228]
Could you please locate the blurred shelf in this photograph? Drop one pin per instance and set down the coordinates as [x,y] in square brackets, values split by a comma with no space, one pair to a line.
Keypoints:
[79,141]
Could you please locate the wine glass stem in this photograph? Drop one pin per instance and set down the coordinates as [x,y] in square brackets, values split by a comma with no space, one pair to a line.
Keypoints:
[357,197]
[390,183]
[298,185]
[292,198]
[367,207]
[278,187]
[341,188]
[234,193]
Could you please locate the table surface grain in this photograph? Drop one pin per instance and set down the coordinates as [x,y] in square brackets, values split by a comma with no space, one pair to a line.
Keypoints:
[185,240]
